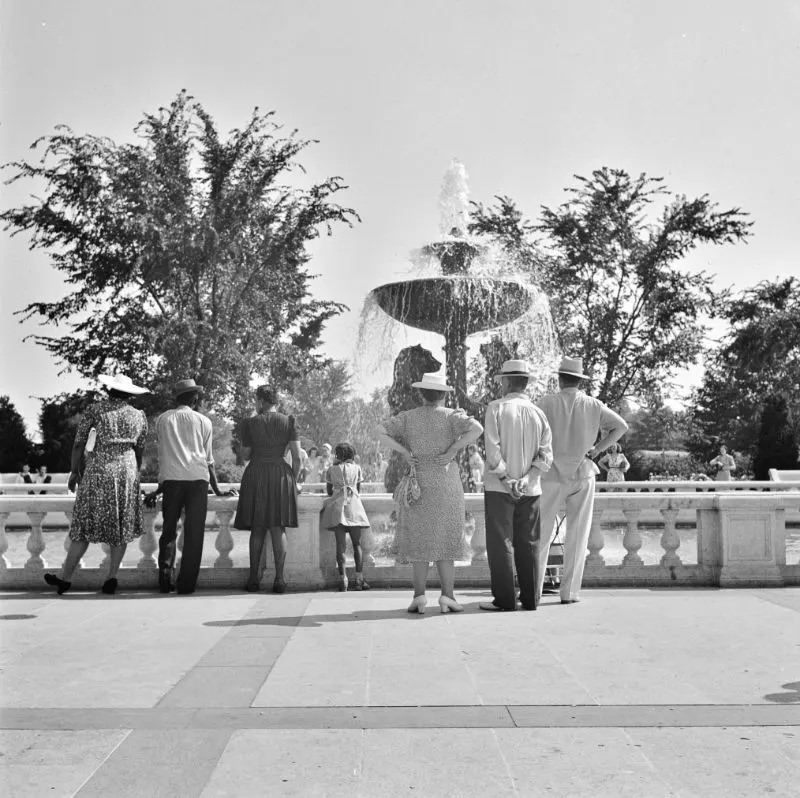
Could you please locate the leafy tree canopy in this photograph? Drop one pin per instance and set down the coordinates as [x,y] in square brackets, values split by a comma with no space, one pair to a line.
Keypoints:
[186,251]
[617,296]
[15,447]
[759,356]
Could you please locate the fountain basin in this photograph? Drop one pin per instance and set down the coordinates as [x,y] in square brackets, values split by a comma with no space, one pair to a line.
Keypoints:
[456,303]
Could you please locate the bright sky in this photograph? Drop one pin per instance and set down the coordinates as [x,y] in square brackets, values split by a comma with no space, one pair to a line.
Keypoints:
[525,92]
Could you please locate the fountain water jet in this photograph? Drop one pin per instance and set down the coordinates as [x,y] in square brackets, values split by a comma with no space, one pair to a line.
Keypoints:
[471,290]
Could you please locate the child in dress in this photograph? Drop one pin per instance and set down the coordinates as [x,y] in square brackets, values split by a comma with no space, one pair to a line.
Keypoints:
[343,511]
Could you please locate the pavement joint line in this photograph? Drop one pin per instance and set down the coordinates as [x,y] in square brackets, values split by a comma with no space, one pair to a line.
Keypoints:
[404,717]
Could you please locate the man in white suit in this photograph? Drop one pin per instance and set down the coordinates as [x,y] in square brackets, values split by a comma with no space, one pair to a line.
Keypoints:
[575,420]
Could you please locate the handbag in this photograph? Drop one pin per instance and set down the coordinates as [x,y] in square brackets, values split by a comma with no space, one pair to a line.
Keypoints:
[408,491]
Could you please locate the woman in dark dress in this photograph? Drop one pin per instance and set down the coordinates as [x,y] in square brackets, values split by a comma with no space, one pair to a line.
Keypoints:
[108,505]
[268,495]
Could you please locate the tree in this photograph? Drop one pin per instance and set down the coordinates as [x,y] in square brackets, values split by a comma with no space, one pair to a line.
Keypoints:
[617,297]
[186,251]
[777,445]
[758,357]
[58,422]
[15,447]
[364,416]
[319,403]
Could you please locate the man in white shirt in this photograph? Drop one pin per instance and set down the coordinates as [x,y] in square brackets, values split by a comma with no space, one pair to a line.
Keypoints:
[185,468]
[518,451]
[575,420]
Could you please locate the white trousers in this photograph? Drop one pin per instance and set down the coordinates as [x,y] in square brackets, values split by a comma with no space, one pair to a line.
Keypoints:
[577,497]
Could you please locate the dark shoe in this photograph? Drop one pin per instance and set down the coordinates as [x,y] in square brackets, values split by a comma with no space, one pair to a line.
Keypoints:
[164,582]
[279,586]
[252,587]
[54,581]
[569,601]
[184,591]
[109,586]
[490,606]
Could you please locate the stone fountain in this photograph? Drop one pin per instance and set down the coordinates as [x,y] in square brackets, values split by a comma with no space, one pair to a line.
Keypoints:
[467,294]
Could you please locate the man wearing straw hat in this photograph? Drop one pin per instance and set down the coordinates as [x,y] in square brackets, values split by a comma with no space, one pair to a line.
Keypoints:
[576,420]
[518,452]
[185,468]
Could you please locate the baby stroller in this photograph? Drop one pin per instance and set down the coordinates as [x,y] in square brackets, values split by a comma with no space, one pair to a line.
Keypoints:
[555,559]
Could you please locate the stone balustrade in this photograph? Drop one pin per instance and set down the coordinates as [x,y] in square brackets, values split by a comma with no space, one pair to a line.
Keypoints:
[737,538]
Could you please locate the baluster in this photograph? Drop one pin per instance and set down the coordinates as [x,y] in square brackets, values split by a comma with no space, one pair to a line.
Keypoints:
[148,544]
[633,539]
[368,545]
[3,542]
[670,540]
[596,540]
[469,533]
[478,543]
[36,544]
[68,541]
[224,542]
[105,563]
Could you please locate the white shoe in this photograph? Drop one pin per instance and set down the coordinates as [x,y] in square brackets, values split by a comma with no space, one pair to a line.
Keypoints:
[447,604]
[418,605]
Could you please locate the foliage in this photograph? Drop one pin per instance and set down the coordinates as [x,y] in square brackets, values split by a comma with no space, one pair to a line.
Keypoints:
[664,464]
[58,422]
[777,445]
[618,299]
[758,357]
[186,251]
[15,447]
[319,404]
[364,417]
[655,426]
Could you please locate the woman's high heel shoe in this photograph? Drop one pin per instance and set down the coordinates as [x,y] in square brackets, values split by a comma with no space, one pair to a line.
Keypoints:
[447,604]
[54,581]
[418,605]
[343,583]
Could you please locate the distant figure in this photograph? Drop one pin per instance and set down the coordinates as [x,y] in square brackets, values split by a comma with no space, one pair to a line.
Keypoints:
[312,470]
[343,511]
[576,420]
[108,505]
[380,467]
[43,478]
[615,464]
[301,477]
[431,527]
[476,468]
[24,477]
[724,464]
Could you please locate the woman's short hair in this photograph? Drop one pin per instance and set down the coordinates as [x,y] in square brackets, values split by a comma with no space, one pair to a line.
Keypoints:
[344,452]
[312,449]
[266,394]
[432,396]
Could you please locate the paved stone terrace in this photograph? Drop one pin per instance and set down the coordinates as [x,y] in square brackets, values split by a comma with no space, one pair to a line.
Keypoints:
[628,693]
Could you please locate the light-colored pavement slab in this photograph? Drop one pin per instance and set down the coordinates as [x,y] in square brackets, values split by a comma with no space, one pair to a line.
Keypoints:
[630,692]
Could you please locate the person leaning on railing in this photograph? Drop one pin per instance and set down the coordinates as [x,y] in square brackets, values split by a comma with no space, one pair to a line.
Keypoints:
[108,504]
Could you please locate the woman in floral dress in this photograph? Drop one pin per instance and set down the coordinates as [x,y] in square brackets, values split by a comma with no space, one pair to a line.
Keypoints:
[432,527]
[108,504]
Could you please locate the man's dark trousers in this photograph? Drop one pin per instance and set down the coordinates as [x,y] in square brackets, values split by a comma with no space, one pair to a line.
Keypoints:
[191,498]
[512,539]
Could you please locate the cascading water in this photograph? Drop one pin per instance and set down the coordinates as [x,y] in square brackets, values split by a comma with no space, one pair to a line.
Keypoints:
[460,286]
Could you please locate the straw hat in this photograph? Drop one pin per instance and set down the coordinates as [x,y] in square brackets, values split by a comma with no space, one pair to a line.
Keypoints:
[573,367]
[513,368]
[187,386]
[119,382]
[432,381]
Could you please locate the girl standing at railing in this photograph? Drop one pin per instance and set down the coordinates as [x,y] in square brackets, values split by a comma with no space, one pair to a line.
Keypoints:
[344,513]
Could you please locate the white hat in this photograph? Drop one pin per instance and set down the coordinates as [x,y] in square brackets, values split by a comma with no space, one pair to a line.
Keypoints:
[513,368]
[432,381]
[573,367]
[120,382]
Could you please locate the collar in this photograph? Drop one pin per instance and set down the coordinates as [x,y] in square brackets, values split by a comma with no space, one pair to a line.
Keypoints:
[571,389]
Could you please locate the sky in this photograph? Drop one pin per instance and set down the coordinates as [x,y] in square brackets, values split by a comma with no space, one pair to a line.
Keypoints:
[526,93]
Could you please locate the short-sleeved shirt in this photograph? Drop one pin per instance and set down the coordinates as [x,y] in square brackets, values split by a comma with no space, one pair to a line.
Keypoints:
[184,445]
[575,420]
[517,436]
